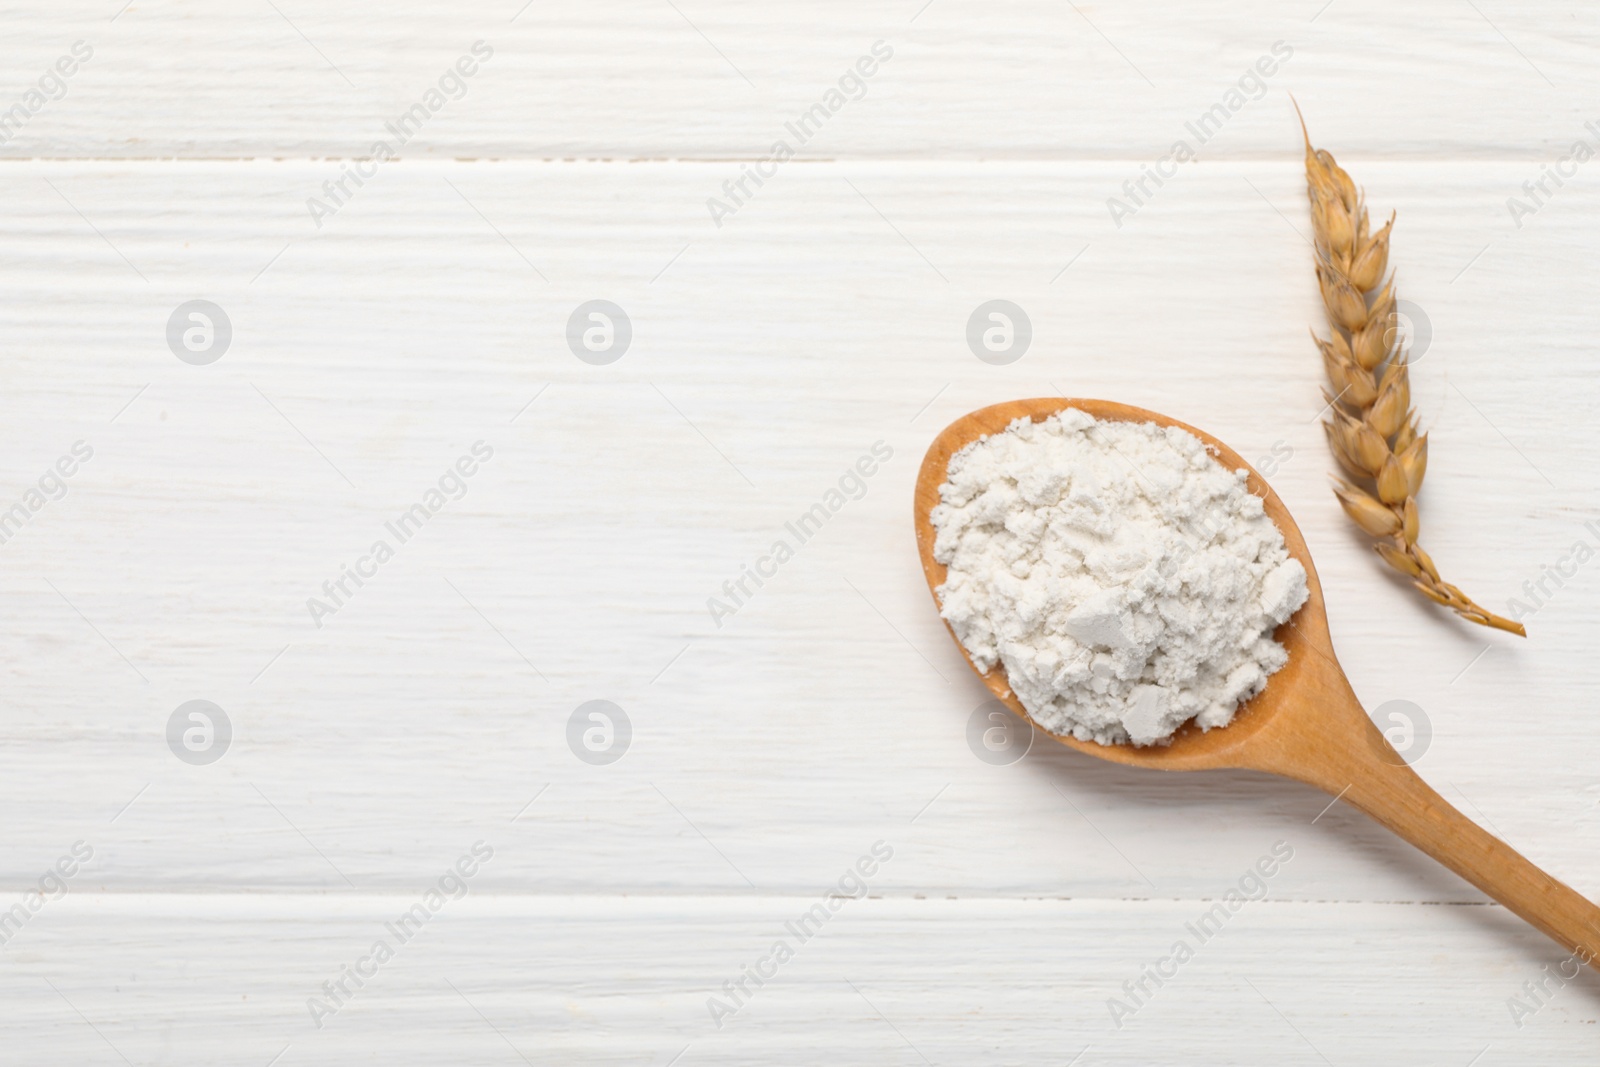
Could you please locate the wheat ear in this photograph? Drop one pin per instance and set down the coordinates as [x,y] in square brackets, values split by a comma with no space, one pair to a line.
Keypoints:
[1371,428]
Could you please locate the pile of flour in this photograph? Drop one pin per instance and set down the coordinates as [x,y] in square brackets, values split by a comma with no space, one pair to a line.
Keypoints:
[1125,580]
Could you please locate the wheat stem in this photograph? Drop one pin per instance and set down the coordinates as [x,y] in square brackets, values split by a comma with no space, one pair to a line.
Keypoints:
[1371,426]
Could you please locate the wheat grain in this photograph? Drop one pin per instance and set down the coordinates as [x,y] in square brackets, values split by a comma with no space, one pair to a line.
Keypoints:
[1371,426]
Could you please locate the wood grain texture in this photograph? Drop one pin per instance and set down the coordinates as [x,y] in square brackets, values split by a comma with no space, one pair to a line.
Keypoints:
[713,79]
[769,353]
[625,980]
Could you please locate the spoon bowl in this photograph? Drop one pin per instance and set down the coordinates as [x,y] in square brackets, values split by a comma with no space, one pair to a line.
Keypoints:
[1306,724]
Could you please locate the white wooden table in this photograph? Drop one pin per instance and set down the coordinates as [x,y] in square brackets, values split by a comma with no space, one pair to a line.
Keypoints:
[376,339]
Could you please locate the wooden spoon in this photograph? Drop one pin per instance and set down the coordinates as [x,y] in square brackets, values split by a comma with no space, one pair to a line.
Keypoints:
[1306,724]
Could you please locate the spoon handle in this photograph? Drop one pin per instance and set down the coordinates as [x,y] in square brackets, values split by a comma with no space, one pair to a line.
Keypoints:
[1376,779]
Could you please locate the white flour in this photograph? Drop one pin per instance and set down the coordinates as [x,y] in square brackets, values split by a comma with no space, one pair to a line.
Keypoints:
[1125,580]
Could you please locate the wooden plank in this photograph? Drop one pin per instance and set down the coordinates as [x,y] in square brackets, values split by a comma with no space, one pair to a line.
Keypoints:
[186,978]
[617,80]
